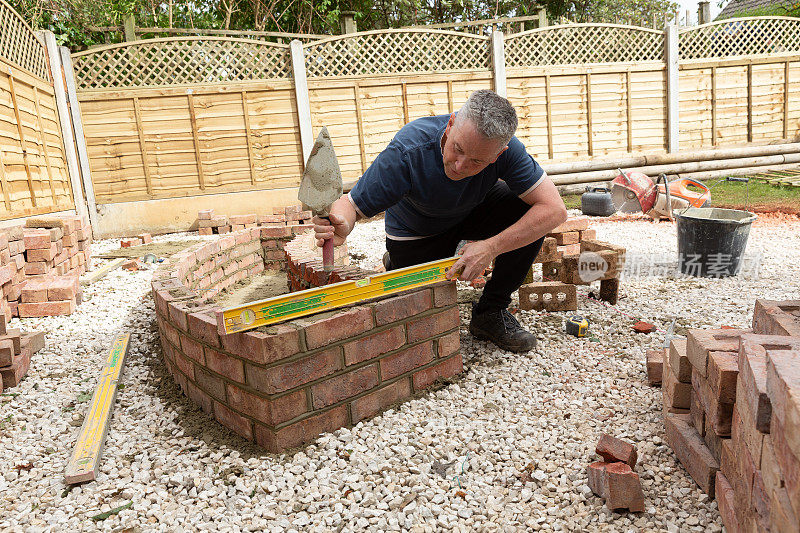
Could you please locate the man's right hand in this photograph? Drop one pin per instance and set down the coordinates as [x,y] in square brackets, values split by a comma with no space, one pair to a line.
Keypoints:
[337,229]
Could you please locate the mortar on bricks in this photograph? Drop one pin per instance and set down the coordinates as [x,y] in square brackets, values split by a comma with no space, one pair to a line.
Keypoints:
[283,385]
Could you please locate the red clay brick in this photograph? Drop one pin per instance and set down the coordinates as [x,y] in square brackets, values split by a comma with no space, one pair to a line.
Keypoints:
[203,326]
[782,516]
[783,387]
[725,502]
[264,347]
[63,288]
[448,368]
[192,349]
[252,405]
[753,378]
[406,360]
[233,421]
[224,364]
[199,397]
[290,375]
[723,369]
[7,352]
[744,432]
[34,290]
[701,341]
[12,375]
[773,477]
[42,254]
[344,386]
[788,462]
[719,414]
[36,239]
[679,361]
[210,383]
[697,413]
[371,404]
[322,330]
[777,317]
[46,308]
[445,294]
[623,488]
[759,501]
[614,450]
[449,344]
[597,478]
[433,325]
[397,308]
[183,363]
[374,345]
[302,431]
[38,268]
[692,453]
[655,366]
[678,392]
[271,232]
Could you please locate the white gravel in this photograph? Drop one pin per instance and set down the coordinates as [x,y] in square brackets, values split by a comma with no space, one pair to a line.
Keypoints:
[453,460]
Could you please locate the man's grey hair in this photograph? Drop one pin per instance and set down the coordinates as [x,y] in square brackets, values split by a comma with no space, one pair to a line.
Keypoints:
[492,115]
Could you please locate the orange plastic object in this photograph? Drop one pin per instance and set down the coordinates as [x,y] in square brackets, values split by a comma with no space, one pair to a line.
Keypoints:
[680,189]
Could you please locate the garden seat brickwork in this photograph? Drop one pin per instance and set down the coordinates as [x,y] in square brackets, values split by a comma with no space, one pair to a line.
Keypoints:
[283,385]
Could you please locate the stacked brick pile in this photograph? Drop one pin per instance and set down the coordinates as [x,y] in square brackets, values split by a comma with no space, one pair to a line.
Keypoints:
[57,252]
[210,224]
[16,350]
[740,439]
[613,478]
[560,259]
[142,238]
[12,270]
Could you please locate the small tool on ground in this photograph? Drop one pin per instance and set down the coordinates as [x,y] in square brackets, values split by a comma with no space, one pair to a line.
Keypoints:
[322,185]
[577,326]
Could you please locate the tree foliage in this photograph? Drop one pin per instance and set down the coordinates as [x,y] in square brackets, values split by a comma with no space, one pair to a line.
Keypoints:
[69,19]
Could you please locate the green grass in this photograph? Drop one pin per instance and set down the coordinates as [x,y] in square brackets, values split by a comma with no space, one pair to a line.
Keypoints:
[734,195]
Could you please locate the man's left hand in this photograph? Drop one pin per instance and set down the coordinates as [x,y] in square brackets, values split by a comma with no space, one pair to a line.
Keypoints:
[475,258]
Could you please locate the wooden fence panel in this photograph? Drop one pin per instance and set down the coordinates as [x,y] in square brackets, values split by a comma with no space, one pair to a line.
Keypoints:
[33,174]
[192,141]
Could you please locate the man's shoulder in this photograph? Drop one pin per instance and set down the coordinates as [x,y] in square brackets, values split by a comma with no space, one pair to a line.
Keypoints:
[420,133]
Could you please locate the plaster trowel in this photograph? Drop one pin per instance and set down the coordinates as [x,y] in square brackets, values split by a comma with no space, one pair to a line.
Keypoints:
[321,186]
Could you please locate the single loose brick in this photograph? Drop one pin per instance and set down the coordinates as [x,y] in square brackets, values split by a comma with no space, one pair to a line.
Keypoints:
[723,369]
[63,288]
[623,488]
[338,388]
[371,404]
[36,239]
[597,478]
[448,368]
[772,317]
[46,308]
[678,393]
[614,450]
[788,463]
[692,453]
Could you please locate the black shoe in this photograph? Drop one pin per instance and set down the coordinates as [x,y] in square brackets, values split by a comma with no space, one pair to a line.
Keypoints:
[385,261]
[502,328]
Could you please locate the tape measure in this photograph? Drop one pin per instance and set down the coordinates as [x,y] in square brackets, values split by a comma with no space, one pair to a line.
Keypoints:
[577,326]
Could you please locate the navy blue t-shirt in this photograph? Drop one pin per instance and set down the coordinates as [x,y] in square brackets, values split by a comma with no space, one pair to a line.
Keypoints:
[407,180]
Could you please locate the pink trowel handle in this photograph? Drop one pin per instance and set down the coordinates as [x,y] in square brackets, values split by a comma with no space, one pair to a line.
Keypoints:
[327,251]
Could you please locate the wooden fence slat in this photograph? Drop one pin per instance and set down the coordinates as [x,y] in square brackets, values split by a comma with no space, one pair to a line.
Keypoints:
[360,123]
[404,91]
[549,116]
[249,137]
[786,100]
[589,129]
[713,106]
[22,141]
[749,103]
[6,197]
[137,111]
[193,120]
[450,96]
[628,109]
[44,145]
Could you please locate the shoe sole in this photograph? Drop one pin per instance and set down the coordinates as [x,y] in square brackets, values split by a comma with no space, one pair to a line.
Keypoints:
[482,335]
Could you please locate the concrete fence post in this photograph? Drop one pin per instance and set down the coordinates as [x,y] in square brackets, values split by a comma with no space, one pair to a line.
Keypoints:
[301,96]
[65,120]
[499,63]
[671,59]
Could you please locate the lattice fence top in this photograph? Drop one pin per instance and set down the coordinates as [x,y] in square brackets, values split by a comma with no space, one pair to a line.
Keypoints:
[571,44]
[395,52]
[181,61]
[741,36]
[19,45]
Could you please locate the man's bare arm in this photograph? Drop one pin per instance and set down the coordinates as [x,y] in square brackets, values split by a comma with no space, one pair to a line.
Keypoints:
[546,212]
[343,219]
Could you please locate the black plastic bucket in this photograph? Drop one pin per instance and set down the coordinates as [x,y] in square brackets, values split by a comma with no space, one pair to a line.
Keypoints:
[711,240]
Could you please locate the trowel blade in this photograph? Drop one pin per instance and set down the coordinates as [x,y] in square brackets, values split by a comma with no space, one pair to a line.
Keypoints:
[322,180]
